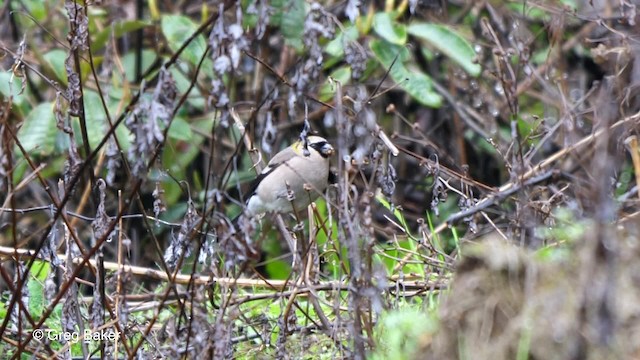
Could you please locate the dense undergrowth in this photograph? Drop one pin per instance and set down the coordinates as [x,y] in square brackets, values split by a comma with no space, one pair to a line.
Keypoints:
[485,202]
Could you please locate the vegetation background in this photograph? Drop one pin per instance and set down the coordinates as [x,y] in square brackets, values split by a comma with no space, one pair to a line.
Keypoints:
[487,179]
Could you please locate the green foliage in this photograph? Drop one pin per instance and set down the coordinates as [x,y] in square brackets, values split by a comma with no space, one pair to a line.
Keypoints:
[38,132]
[329,247]
[400,334]
[37,276]
[180,129]
[528,130]
[449,43]
[117,29]
[55,59]
[341,76]
[177,29]
[336,46]
[391,31]
[95,118]
[567,228]
[183,83]
[414,82]
[38,9]
[11,87]
[392,253]
[391,44]
[290,16]
[148,57]
[276,268]
[399,47]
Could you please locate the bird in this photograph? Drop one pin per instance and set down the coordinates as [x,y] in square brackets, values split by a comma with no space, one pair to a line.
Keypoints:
[293,178]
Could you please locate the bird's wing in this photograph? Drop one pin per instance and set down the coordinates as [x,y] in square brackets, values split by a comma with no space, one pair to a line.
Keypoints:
[254,184]
[279,159]
[284,155]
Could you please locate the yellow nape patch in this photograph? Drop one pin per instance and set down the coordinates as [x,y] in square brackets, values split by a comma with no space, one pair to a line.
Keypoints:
[297,147]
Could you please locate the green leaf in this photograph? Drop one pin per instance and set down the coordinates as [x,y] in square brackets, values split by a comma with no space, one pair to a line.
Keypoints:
[336,46]
[178,155]
[328,89]
[35,284]
[38,132]
[416,83]
[449,43]
[180,129]
[35,8]
[409,243]
[276,18]
[293,13]
[278,269]
[401,333]
[385,26]
[118,29]
[95,117]
[40,270]
[129,62]
[419,86]
[56,59]
[183,83]
[327,238]
[177,29]
[11,88]
[396,212]
[249,21]
[3,314]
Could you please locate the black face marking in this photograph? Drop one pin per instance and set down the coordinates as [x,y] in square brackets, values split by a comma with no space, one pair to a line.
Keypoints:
[319,147]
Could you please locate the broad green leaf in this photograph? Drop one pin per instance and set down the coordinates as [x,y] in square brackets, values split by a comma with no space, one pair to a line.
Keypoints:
[11,87]
[183,84]
[385,26]
[419,86]
[328,89]
[180,129]
[95,117]
[178,155]
[177,29]
[96,120]
[278,269]
[414,82]
[115,99]
[276,18]
[3,314]
[40,270]
[386,53]
[37,9]
[56,58]
[249,21]
[527,129]
[336,46]
[449,43]
[118,29]
[129,62]
[38,132]
[292,22]
[35,284]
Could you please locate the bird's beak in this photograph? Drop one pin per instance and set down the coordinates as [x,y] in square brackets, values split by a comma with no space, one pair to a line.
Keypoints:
[327,150]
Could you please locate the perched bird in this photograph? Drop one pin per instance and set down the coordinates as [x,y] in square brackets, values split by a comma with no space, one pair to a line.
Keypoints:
[303,174]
